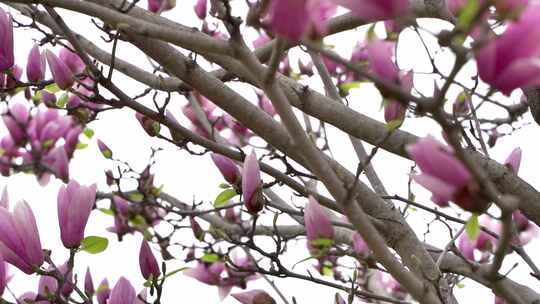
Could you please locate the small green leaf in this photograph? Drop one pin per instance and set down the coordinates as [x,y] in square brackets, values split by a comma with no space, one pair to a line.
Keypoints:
[393,125]
[61,102]
[148,283]
[81,146]
[346,87]
[139,221]
[460,285]
[48,143]
[210,258]
[106,153]
[52,88]
[472,228]
[224,186]
[89,133]
[136,197]
[327,271]
[157,191]
[156,127]
[101,288]
[94,244]
[322,243]
[222,198]
[106,211]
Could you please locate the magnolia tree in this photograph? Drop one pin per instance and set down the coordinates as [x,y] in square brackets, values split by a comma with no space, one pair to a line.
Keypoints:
[260,91]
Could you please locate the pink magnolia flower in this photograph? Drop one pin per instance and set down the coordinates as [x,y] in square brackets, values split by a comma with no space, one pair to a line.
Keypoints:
[7,58]
[261,41]
[394,111]
[445,176]
[374,10]
[526,230]
[72,60]
[461,104]
[201,8]
[19,238]
[318,226]
[88,283]
[122,293]
[251,184]
[104,149]
[266,105]
[359,245]
[148,263]
[514,160]
[3,275]
[504,63]
[207,274]
[16,120]
[36,65]
[62,74]
[103,292]
[227,167]
[256,296]
[156,6]
[75,202]
[484,243]
[297,19]
[380,54]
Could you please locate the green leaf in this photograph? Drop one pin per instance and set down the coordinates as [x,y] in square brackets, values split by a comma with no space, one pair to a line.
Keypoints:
[224,186]
[393,125]
[148,283]
[139,221]
[460,285]
[327,271]
[472,228]
[101,288]
[52,88]
[322,243]
[157,191]
[468,13]
[156,127]
[61,102]
[81,146]
[346,87]
[107,154]
[94,244]
[48,143]
[106,211]
[224,197]
[210,258]
[89,133]
[136,197]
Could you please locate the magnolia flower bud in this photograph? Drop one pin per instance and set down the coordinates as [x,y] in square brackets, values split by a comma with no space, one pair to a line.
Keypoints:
[88,284]
[105,151]
[148,263]
[122,293]
[62,74]
[7,58]
[103,292]
[251,184]
[318,226]
[227,167]
[75,202]
[514,160]
[21,246]
[255,296]
[200,9]
[35,66]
